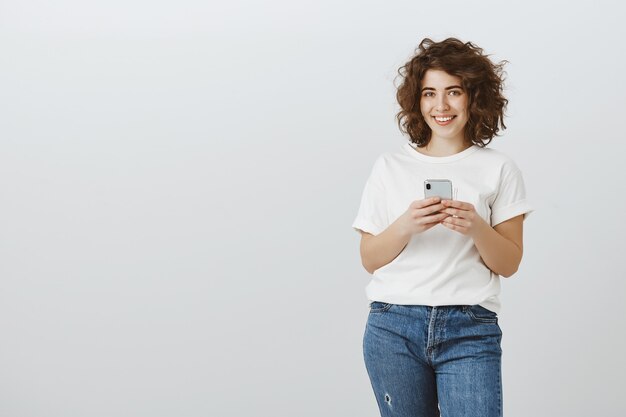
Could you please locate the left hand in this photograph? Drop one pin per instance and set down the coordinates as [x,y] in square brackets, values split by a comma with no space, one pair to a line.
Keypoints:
[467,222]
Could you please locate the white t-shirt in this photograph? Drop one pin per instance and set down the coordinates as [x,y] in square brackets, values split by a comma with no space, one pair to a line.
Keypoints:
[439,266]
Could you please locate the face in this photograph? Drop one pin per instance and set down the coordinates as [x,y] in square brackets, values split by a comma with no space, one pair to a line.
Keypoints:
[443,95]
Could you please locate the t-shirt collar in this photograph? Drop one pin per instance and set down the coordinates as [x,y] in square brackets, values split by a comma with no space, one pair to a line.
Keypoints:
[410,149]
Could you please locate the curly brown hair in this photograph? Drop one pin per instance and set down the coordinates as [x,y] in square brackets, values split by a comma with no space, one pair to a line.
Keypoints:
[481,78]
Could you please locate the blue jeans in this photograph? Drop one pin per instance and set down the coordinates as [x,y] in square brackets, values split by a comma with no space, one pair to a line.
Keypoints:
[423,361]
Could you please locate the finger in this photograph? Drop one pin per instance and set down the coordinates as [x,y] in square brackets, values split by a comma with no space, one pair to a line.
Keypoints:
[457,204]
[453,227]
[435,208]
[426,202]
[456,212]
[448,225]
[425,211]
[457,222]
[436,218]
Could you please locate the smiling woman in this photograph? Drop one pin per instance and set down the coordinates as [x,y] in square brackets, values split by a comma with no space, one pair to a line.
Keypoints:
[432,338]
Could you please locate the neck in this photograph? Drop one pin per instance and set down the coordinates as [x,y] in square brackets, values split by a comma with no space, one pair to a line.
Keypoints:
[443,147]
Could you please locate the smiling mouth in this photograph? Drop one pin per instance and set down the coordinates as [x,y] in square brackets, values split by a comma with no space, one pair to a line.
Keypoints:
[444,121]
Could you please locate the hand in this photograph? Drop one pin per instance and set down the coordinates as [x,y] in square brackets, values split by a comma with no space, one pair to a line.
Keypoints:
[421,216]
[465,221]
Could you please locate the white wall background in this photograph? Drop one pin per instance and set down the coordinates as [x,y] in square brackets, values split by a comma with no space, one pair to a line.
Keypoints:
[178,182]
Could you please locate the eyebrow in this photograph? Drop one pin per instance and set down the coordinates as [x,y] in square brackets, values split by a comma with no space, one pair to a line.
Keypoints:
[447,88]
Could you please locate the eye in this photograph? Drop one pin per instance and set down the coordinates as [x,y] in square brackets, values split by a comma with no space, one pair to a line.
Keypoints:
[426,94]
[456,92]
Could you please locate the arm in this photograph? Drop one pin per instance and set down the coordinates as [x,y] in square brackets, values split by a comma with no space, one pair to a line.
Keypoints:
[501,246]
[379,250]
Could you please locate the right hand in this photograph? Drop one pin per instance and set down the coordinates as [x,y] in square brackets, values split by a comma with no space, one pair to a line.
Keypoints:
[419,216]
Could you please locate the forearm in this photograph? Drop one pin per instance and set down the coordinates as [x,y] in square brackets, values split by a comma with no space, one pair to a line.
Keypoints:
[383,248]
[501,255]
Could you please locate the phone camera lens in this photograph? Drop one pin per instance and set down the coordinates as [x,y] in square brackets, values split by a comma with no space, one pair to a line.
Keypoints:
[428,186]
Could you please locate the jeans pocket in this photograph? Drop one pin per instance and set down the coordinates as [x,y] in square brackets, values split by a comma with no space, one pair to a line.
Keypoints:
[480,314]
[379,307]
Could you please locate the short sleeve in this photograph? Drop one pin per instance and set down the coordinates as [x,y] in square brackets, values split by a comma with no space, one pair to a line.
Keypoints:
[372,214]
[510,200]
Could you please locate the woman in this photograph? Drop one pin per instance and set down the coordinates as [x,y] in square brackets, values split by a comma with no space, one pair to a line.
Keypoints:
[432,339]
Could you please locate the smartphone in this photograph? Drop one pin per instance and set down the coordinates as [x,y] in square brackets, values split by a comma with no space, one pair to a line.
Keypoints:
[438,188]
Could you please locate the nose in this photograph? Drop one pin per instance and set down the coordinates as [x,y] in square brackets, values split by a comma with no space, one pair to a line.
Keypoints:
[442,103]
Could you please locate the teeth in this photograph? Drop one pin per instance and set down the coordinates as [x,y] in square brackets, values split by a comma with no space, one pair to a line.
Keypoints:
[443,119]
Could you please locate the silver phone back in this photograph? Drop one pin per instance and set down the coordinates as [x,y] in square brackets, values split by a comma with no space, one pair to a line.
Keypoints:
[441,188]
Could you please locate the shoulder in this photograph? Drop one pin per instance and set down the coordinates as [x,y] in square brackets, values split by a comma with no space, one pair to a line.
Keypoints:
[386,168]
[498,159]
[385,161]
